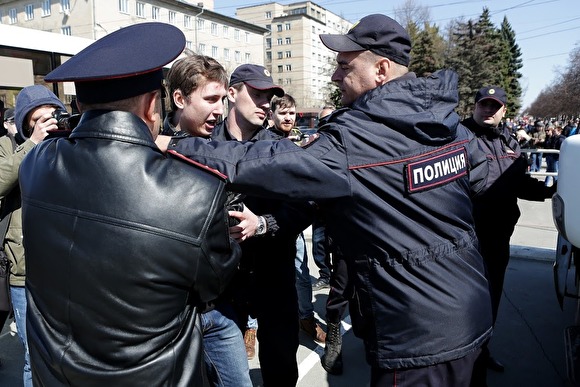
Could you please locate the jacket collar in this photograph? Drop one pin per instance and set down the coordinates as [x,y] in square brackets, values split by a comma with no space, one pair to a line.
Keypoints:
[114,125]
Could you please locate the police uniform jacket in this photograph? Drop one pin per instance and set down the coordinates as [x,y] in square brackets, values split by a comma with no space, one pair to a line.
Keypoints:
[122,243]
[497,208]
[397,171]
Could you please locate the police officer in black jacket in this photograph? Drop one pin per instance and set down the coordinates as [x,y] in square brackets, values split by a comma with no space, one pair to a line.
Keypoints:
[123,242]
[496,211]
[395,172]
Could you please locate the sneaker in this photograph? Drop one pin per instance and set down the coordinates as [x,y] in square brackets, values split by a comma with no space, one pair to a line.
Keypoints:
[250,342]
[320,284]
[312,329]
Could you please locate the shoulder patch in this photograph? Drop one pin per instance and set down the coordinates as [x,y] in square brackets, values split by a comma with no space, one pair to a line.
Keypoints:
[181,157]
[436,171]
[307,141]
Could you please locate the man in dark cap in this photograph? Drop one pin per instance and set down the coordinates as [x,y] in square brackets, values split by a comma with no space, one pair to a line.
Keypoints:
[122,241]
[32,119]
[268,256]
[394,172]
[496,210]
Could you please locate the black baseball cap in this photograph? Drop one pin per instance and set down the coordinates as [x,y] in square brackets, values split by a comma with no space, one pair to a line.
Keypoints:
[376,33]
[122,64]
[492,92]
[257,77]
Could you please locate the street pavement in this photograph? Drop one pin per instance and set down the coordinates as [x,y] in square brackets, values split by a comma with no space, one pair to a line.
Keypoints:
[528,339]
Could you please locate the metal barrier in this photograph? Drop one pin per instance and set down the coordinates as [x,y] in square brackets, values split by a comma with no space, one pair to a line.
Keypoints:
[539,150]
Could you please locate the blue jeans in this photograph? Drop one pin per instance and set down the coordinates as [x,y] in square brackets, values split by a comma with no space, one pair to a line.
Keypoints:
[536,162]
[552,165]
[224,351]
[303,283]
[18,294]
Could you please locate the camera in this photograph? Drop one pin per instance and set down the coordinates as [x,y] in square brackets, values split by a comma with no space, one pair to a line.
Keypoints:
[65,121]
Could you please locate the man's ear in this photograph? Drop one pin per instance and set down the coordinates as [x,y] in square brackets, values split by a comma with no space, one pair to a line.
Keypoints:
[383,67]
[178,99]
[232,92]
[152,111]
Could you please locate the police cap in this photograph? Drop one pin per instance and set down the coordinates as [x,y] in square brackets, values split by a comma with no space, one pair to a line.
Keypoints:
[123,64]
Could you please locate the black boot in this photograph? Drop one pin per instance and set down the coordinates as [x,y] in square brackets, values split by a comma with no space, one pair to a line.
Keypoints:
[332,358]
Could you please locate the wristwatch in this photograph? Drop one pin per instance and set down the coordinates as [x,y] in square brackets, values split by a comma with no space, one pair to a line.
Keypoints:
[261,230]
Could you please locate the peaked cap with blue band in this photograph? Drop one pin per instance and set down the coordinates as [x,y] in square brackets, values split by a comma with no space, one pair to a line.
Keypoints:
[122,64]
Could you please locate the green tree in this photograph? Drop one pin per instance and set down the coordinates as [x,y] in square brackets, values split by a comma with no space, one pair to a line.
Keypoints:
[427,55]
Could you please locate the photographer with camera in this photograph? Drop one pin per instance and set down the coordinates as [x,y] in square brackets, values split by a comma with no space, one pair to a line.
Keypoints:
[33,118]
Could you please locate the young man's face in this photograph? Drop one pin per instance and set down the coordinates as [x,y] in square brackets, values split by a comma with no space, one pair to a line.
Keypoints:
[488,113]
[284,118]
[202,108]
[251,106]
[355,74]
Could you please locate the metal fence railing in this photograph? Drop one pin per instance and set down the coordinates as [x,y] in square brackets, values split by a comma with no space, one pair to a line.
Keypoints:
[544,151]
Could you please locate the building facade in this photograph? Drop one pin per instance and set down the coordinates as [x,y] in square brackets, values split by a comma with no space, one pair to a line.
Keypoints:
[229,40]
[293,52]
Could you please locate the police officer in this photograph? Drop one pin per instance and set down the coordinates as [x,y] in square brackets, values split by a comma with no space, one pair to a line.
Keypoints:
[395,171]
[122,241]
[496,211]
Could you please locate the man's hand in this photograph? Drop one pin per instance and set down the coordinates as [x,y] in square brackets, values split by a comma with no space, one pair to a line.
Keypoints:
[247,226]
[44,124]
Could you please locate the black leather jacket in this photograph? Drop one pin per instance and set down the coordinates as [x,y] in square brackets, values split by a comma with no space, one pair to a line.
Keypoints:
[122,244]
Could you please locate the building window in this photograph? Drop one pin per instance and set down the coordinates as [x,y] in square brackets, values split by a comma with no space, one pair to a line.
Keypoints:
[269,27]
[288,54]
[140,9]
[28,12]
[123,6]
[268,43]
[65,6]
[12,16]
[280,68]
[288,40]
[46,8]
[214,29]
[201,49]
[268,15]
[155,13]
[279,27]
[172,17]
[214,52]
[280,55]
[279,40]
[226,54]
[187,21]
[66,31]
[269,56]
[200,24]
[280,80]
[237,34]
[238,56]
[288,81]
[288,27]
[247,37]
[247,57]
[189,44]
[226,31]
[288,67]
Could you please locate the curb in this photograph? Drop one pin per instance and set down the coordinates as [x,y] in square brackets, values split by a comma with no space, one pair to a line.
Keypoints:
[532,253]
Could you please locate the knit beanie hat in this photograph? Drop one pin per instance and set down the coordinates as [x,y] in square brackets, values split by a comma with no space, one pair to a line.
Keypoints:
[30,98]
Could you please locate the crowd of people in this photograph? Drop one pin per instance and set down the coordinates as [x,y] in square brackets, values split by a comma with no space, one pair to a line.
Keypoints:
[175,243]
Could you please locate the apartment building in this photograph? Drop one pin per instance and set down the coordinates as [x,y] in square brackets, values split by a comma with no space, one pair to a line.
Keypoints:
[293,52]
[229,40]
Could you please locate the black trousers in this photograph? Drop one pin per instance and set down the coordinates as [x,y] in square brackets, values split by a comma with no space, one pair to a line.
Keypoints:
[454,373]
[337,301]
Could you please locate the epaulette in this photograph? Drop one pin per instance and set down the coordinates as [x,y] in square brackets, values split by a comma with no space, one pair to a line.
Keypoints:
[181,157]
